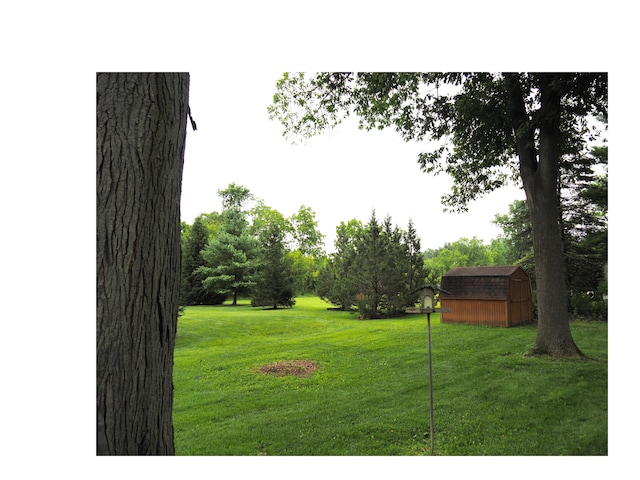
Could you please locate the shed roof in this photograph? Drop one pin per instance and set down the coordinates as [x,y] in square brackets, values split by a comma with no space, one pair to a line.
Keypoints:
[478,282]
[499,271]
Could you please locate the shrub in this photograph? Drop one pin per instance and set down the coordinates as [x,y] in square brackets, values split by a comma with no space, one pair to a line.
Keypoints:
[589,305]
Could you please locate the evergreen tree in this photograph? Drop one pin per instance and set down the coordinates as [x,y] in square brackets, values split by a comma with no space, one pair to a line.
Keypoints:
[584,220]
[192,292]
[416,271]
[368,278]
[230,257]
[336,282]
[375,267]
[393,268]
[235,197]
[275,276]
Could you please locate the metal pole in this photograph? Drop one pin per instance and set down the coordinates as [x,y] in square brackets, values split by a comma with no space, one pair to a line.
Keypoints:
[430,379]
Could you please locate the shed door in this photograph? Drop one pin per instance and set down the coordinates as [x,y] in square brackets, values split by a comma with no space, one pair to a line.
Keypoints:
[519,300]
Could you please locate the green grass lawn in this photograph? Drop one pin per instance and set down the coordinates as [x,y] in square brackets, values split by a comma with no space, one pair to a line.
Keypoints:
[370,395]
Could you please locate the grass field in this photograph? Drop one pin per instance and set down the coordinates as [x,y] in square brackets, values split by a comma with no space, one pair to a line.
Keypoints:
[370,394]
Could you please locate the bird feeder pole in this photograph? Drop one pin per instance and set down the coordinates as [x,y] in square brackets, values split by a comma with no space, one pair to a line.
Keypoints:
[427,305]
[431,423]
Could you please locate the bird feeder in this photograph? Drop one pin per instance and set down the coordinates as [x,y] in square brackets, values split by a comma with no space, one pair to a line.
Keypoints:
[427,301]
[427,295]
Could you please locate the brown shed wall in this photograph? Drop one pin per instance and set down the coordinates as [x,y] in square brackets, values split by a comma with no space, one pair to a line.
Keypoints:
[475,311]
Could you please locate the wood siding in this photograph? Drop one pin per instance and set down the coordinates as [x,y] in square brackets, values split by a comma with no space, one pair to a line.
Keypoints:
[491,312]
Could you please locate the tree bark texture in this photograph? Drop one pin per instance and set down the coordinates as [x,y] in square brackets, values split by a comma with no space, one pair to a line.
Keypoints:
[141,131]
[539,171]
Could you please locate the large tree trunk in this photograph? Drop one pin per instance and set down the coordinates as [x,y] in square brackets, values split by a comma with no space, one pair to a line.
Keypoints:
[540,179]
[141,130]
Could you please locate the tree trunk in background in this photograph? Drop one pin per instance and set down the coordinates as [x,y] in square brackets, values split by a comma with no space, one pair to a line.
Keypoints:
[141,130]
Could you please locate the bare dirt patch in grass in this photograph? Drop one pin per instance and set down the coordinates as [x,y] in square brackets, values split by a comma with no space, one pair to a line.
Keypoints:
[298,368]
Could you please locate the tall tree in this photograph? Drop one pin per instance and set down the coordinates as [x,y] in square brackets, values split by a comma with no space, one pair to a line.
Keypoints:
[394,266]
[141,131]
[230,257]
[416,272]
[335,281]
[485,121]
[274,285]
[368,276]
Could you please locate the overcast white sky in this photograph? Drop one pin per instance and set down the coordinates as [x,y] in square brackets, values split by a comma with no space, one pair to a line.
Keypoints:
[342,174]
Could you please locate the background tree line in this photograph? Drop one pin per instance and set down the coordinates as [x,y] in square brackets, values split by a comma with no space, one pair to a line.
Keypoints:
[249,250]
[259,253]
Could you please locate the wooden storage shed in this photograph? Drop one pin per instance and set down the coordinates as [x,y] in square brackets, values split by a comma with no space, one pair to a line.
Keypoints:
[495,296]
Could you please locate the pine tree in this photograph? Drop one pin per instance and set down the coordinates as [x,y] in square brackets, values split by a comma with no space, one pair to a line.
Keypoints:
[336,280]
[230,257]
[584,219]
[368,268]
[192,292]
[415,275]
[393,269]
[275,277]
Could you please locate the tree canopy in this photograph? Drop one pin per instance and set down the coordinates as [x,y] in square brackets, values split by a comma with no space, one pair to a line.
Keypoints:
[468,116]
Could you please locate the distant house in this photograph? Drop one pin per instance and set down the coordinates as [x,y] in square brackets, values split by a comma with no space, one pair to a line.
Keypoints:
[495,296]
